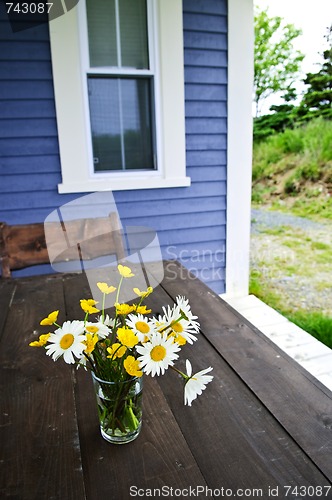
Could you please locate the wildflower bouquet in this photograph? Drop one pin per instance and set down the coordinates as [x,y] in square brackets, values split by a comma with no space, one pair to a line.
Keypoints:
[119,350]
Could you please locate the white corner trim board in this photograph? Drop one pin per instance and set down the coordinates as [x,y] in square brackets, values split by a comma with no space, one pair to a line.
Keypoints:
[239,146]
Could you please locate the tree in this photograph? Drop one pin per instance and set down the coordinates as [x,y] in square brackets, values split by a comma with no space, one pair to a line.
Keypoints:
[317,99]
[277,63]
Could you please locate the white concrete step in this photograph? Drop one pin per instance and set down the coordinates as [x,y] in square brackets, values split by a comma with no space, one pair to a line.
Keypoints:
[309,352]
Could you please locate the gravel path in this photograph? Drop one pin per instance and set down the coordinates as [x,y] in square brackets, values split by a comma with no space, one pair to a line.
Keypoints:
[268,218]
[294,257]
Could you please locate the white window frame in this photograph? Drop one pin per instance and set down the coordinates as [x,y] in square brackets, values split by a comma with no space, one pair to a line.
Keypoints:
[69,49]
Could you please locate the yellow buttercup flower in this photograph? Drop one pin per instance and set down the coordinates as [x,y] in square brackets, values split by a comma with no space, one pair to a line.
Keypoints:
[41,342]
[127,337]
[132,366]
[125,271]
[143,294]
[142,310]
[90,342]
[179,339]
[116,350]
[104,288]
[88,306]
[51,318]
[124,309]
[92,329]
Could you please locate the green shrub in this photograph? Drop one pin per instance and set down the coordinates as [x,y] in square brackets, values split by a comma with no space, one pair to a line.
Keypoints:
[291,141]
[293,184]
[318,139]
[310,171]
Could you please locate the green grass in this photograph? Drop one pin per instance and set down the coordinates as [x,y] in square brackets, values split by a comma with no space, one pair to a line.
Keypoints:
[292,172]
[261,290]
[315,323]
[296,166]
[307,147]
[318,209]
[277,231]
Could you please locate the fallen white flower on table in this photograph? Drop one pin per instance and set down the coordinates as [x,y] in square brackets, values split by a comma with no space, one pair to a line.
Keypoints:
[196,383]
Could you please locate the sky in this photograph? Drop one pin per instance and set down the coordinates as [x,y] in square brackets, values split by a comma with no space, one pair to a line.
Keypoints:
[312,17]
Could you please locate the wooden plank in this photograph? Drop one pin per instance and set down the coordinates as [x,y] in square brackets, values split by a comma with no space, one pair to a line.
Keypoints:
[212,173]
[234,439]
[193,236]
[25,70]
[205,92]
[206,204]
[19,201]
[235,418]
[43,89]
[39,32]
[32,164]
[205,22]
[34,50]
[36,182]
[206,126]
[22,109]
[207,158]
[40,453]
[202,142]
[28,127]
[197,40]
[29,146]
[297,400]
[7,289]
[183,251]
[208,6]
[205,58]
[159,456]
[25,244]
[185,221]
[209,109]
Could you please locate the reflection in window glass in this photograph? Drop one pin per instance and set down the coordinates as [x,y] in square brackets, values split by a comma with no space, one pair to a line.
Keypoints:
[133,30]
[102,33]
[117,32]
[120,110]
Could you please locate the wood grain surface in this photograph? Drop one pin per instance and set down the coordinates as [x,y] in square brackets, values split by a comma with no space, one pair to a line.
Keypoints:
[263,422]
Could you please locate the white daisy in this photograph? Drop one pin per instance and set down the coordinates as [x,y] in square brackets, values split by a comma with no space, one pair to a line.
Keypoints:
[182,327]
[184,306]
[157,354]
[158,323]
[196,384]
[107,321]
[66,341]
[141,326]
[99,328]
[81,362]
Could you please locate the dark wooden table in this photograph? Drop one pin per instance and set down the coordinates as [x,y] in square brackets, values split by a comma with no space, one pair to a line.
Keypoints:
[261,429]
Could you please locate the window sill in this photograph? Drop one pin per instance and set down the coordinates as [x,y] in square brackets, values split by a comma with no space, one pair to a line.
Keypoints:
[117,184]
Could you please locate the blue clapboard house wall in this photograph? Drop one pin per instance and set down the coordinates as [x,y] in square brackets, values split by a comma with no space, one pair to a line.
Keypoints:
[190,221]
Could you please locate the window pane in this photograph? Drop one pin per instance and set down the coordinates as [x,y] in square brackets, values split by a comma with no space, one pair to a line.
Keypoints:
[121,123]
[118,40]
[102,32]
[133,29]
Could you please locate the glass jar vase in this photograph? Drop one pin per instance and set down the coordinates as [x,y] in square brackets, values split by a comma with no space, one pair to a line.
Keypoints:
[119,408]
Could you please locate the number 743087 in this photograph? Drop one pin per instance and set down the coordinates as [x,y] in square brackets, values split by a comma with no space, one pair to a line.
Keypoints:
[307,491]
[29,8]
